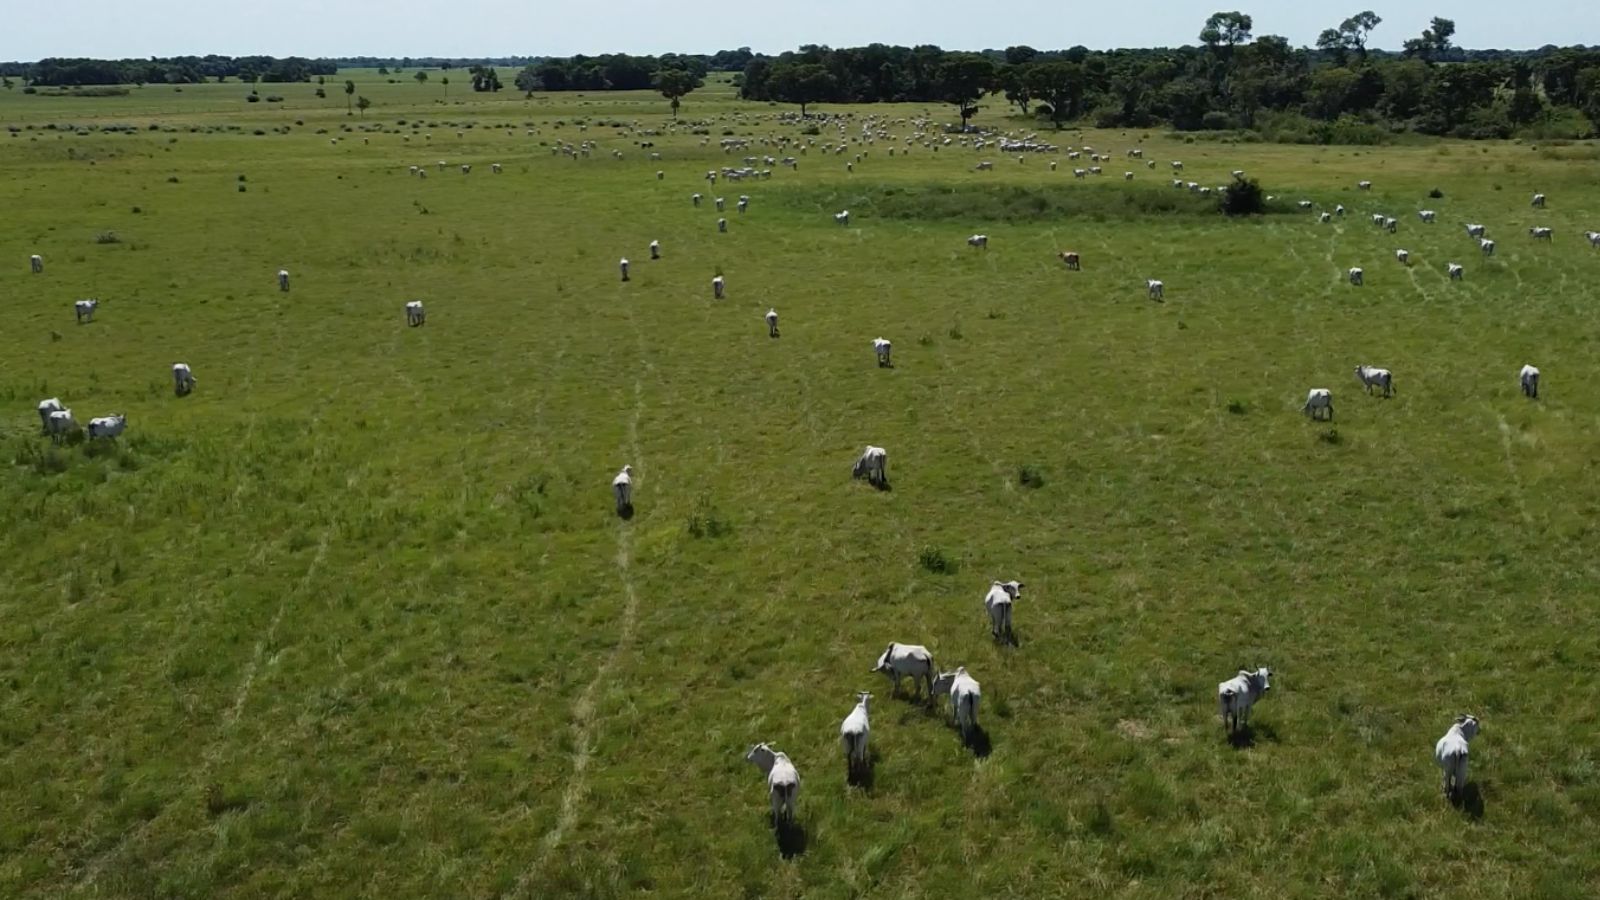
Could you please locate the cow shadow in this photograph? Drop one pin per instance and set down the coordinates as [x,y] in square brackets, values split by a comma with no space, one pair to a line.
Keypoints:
[883,485]
[1469,800]
[1009,639]
[977,740]
[1246,736]
[863,776]
[625,513]
[791,839]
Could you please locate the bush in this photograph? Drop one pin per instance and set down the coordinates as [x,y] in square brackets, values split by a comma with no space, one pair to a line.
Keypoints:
[321,92]
[107,237]
[706,521]
[252,98]
[274,98]
[1030,477]
[1436,194]
[934,560]
[1215,120]
[1243,197]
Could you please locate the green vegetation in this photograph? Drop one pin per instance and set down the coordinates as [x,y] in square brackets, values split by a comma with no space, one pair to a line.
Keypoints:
[357,619]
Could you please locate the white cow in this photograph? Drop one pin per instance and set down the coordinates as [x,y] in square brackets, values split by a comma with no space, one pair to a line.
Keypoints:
[873,466]
[1540,233]
[1456,271]
[1156,289]
[1236,695]
[1403,256]
[965,695]
[1372,376]
[1339,210]
[183,380]
[772,323]
[997,603]
[1390,224]
[979,240]
[59,424]
[622,487]
[1487,246]
[622,266]
[1317,400]
[37,262]
[1357,277]
[84,309]
[1325,218]
[783,781]
[1529,378]
[1451,754]
[1305,204]
[655,249]
[1364,185]
[717,287]
[842,217]
[901,660]
[881,348]
[853,734]
[721,203]
[283,279]
[695,199]
[46,407]
[107,426]
[494,168]
[1475,230]
[1538,201]
[1593,238]
[1071,259]
[416,315]
[1177,166]
[1427,215]
[984,166]
[722,225]
[1378,218]
[744,203]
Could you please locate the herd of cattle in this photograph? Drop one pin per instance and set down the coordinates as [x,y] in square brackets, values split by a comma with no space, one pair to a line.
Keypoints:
[1235,696]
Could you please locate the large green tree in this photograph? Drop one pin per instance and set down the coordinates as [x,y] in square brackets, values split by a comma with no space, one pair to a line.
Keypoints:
[802,83]
[1060,85]
[963,79]
[1434,42]
[675,84]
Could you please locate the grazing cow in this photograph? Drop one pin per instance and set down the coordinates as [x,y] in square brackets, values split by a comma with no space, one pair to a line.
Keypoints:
[655,249]
[1177,166]
[722,225]
[965,695]
[416,315]
[721,203]
[1540,233]
[466,169]
[1364,185]
[1426,215]
[1317,400]
[1236,695]
[1403,256]
[108,427]
[695,199]
[494,168]
[1156,289]
[772,323]
[1238,174]
[1390,225]
[853,733]
[1529,378]
[980,241]
[46,407]
[743,204]
[1487,246]
[1455,270]
[1371,377]
[1594,238]
[622,487]
[1070,257]
[623,266]
[1377,219]
[1080,173]
[842,217]
[1339,210]
[997,603]
[59,424]
[717,286]
[84,309]
[881,348]
[1475,230]
[872,465]
[783,781]
[1451,755]
[1127,176]
[37,262]
[283,279]
[1357,276]
[1538,201]
[1325,218]
[183,380]
[901,660]
[1305,204]
[983,166]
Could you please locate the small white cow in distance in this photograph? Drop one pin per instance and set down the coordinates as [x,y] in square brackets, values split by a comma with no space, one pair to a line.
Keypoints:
[84,309]
[1325,218]
[1305,204]
[783,781]
[1177,166]
[1156,289]
[283,279]
[622,266]
[494,168]
[1593,237]
[1364,185]
[59,424]
[1529,379]
[183,380]
[622,488]
[1339,210]
[1372,376]
[1540,233]
[1404,256]
[1317,400]
[46,407]
[1357,277]
[1390,224]
[718,287]
[744,203]
[1378,219]
[37,263]
[984,166]
[721,203]
[1538,201]
[1486,246]
[1427,215]
[1070,258]
[842,217]
[1451,755]
[695,199]
[965,695]
[873,466]
[109,427]
[1455,270]
[722,225]
[772,323]
[853,734]
[1475,230]
[655,249]
[980,241]
[901,660]
[1236,695]
[997,603]
[881,348]
[416,315]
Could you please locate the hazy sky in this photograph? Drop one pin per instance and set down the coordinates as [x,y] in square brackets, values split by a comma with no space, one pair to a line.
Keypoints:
[122,28]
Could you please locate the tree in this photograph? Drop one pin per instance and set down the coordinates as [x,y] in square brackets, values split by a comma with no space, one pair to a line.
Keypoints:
[527,81]
[383,70]
[1332,42]
[675,84]
[1588,88]
[484,78]
[362,103]
[963,79]
[1434,42]
[1226,30]
[1058,84]
[349,91]
[1013,79]
[9,84]
[420,77]
[1357,28]
[1020,55]
[445,80]
[801,83]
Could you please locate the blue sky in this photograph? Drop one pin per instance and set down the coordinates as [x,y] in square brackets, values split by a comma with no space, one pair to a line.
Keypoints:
[118,28]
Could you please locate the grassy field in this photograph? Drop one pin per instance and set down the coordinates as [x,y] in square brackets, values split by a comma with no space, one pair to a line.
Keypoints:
[356,619]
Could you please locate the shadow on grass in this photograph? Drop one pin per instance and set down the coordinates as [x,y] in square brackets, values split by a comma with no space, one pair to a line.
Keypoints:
[625,513]
[863,776]
[1469,800]
[977,740]
[791,838]
[1009,639]
[1247,735]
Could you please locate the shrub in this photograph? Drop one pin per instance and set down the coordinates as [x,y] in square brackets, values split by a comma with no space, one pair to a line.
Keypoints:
[321,92]
[1215,120]
[1243,197]
[107,237]
[933,560]
[705,521]
[1436,193]
[274,98]
[252,98]
[1030,477]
